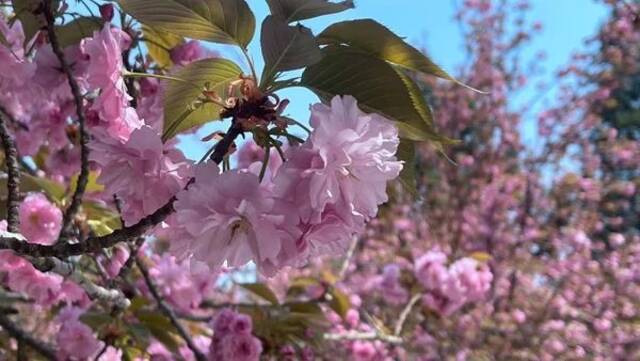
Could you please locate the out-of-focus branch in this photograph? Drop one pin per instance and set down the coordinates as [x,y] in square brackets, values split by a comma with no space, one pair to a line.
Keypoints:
[344,267]
[13,172]
[83,177]
[23,337]
[405,313]
[168,311]
[363,336]
[94,291]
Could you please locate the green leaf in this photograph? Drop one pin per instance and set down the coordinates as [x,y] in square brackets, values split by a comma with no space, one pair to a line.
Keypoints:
[220,21]
[96,320]
[92,183]
[407,153]
[339,302]
[296,10]
[160,327]
[54,190]
[378,87]
[286,47]
[72,32]
[218,73]
[374,38]
[102,220]
[31,24]
[262,290]
[159,43]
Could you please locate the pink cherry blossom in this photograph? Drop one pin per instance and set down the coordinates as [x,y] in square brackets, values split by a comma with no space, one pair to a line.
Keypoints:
[143,172]
[40,220]
[74,338]
[228,218]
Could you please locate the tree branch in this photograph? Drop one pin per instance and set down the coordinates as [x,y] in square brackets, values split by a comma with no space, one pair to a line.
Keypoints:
[23,337]
[13,173]
[83,177]
[356,336]
[93,244]
[222,147]
[94,291]
[168,311]
[405,313]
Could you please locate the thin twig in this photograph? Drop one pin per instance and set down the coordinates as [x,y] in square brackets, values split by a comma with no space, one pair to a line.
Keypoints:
[13,173]
[405,313]
[369,336]
[344,267]
[22,336]
[168,311]
[83,177]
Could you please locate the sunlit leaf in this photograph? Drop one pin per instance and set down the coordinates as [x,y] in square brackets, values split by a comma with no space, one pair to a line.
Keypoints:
[159,43]
[376,84]
[480,256]
[102,220]
[160,327]
[72,32]
[286,47]
[218,73]
[375,39]
[220,21]
[262,290]
[339,302]
[92,183]
[296,10]
[407,153]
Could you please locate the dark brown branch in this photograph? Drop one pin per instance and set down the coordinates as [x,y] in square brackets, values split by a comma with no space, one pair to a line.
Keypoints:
[13,173]
[94,244]
[222,147]
[23,337]
[168,311]
[91,244]
[83,178]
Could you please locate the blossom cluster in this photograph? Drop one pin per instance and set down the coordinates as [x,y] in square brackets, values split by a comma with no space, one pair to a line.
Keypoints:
[313,203]
[449,288]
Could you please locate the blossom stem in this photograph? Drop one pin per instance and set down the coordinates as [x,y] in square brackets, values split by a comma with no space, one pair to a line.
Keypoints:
[83,177]
[222,147]
[13,173]
[168,311]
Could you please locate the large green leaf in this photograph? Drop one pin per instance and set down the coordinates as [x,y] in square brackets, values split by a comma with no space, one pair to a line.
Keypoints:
[339,302]
[25,12]
[407,153]
[220,21]
[377,40]
[159,43]
[296,10]
[262,290]
[72,32]
[286,47]
[218,73]
[378,87]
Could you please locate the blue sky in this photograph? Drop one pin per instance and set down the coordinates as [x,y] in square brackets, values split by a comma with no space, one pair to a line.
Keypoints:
[430,24]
